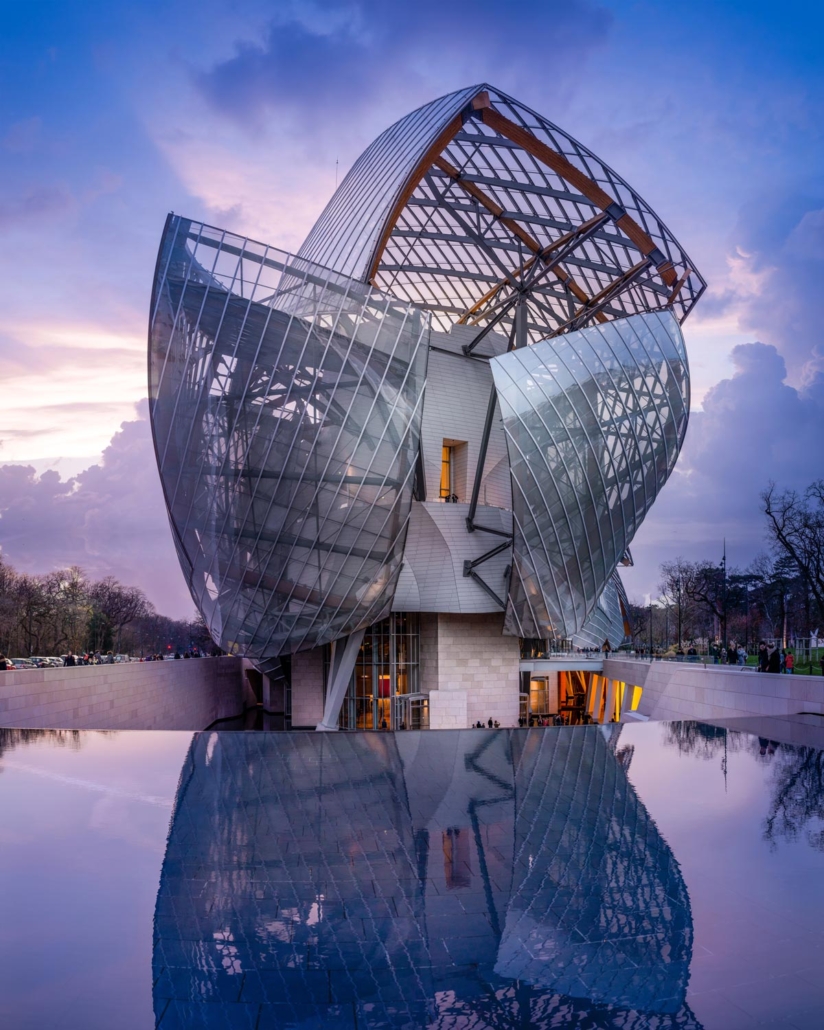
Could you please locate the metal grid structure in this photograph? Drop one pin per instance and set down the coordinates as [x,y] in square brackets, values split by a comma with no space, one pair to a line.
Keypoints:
[476,207]
[285,402]
[287,393]
[594,422]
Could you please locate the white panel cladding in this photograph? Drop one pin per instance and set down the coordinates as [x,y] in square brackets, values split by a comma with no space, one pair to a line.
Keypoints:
[437,544]
[455,405]
[682,690]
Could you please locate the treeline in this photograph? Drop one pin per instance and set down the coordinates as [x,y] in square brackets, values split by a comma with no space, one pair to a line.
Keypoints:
[66,610]
[779,596]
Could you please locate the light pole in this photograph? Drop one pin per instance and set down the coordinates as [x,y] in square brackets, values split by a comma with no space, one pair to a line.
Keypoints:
[650,629]
[723,568]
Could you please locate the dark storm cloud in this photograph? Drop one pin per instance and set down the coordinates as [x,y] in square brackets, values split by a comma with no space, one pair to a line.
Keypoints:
[323,62]
[110,519]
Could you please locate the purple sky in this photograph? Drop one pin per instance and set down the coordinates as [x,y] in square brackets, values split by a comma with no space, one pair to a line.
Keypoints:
[237,112]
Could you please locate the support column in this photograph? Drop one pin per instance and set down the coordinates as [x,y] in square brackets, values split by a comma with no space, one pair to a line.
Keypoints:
[344,656]
[609,711]
[597,694]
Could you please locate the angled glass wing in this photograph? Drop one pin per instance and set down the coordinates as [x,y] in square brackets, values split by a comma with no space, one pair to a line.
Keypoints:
[594,421]
[285,402]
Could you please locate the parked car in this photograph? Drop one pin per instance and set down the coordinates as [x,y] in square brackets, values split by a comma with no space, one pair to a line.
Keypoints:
[24,663]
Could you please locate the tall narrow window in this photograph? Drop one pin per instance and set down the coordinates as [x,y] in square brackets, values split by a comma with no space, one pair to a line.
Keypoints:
[446,473]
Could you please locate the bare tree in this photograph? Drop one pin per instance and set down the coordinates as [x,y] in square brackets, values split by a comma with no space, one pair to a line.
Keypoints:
[677,588]
[113,607]
[795,523]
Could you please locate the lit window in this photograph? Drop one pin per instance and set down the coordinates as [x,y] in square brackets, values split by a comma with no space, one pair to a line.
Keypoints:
[446,473]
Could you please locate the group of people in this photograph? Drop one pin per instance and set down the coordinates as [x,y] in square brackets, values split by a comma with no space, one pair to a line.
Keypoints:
[194,653]
[772,658]
[542,720]
[492,724]
[88,658]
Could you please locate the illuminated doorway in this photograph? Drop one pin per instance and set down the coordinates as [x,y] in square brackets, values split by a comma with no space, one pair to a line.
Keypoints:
[384,692]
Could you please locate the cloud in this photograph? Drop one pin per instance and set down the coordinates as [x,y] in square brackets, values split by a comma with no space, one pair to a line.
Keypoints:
[754,428]
[320,64]
[775,281]
[39,202]
[109,519]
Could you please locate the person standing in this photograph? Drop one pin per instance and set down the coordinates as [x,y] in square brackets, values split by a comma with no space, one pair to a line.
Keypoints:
[3,663]
[742,655]
[774,660]
[763,657]
[69,660]
[789,662]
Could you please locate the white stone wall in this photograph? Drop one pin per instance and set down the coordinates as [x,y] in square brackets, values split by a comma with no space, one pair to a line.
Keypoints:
[428,656]
[447,710]
[680,690]
[475,660]
[175,695]
[307,688]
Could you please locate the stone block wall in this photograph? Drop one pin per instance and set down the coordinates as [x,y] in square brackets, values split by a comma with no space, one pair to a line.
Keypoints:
[447,710]
[475,659]
[174,695]
[307,688]
[428,655]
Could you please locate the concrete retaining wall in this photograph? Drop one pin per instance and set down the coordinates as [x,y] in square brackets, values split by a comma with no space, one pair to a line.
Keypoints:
[678,690]
[176,695]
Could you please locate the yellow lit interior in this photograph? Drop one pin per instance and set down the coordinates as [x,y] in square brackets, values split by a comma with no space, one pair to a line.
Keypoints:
[446,471]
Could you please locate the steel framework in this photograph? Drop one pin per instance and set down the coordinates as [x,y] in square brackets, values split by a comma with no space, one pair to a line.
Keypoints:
[287,393]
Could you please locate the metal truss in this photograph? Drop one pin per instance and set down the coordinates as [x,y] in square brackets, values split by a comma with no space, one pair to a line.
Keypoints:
[498,209]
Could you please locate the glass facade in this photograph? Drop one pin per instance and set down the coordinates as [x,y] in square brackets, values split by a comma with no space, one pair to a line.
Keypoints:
[285,403]
[384,692]
[594,421]
[287,393]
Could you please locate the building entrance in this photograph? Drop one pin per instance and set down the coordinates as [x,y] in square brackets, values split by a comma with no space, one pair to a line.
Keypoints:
[384,692]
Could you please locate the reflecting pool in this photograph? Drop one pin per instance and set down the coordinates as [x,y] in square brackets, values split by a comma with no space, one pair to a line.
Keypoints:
[646,875]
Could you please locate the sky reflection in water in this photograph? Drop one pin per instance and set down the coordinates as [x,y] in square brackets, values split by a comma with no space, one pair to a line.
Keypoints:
[651,875]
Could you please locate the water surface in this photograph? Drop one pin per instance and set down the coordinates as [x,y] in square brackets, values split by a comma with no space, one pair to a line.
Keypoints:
[646,875]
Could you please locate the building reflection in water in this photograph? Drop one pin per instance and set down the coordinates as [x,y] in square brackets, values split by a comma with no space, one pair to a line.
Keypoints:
[453,879]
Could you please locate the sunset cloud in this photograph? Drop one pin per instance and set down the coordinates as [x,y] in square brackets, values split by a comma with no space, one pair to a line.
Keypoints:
[242,114]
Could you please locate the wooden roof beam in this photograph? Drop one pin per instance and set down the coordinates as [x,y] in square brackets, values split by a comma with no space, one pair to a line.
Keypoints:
[517,230]
[586,186]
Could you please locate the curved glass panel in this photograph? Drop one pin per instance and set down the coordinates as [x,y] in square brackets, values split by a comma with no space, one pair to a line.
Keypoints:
[345,235]
[285,402]
[594,421]
[607,622]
